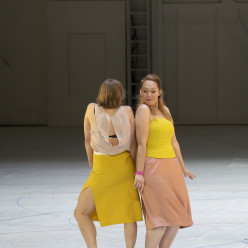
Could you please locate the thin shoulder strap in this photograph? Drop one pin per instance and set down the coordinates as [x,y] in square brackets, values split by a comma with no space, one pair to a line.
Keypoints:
[95,109]
[95,112]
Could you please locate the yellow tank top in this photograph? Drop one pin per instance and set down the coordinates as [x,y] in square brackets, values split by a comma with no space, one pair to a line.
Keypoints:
[159,139]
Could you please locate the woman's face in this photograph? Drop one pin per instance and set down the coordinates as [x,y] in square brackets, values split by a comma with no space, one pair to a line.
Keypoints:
[149,93]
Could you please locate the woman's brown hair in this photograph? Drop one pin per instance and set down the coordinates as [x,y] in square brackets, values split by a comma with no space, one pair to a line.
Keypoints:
[111,94]
[161,105]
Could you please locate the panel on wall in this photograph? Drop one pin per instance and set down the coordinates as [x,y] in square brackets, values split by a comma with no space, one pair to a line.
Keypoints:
[205,60]
[190,63]
[86,57]
[233,64]
[196,67]
[169,60]
[86,46]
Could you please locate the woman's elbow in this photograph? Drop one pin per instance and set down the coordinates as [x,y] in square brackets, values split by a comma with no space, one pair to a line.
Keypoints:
[87,142]
[175,145]
[141,146]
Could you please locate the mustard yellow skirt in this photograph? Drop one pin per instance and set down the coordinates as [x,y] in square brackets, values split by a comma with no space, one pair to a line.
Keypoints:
[111,181]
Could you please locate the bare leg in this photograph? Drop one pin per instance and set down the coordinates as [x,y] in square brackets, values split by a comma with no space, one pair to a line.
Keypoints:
[82,214]
[168,237]
[130,230]
[153,237]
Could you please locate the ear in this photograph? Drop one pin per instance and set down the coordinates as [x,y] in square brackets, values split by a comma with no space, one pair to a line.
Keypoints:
[160,92]
[140,92]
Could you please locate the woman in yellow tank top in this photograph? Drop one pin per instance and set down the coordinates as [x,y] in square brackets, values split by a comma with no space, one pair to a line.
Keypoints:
[160,168]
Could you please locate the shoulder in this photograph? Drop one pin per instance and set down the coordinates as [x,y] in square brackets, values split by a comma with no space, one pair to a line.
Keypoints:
[143,112]
[91,105]
[143,109]
[129,111]
[167,109]
[128,108]
[90,108]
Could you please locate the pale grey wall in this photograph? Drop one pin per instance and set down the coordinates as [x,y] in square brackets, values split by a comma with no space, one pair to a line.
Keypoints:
[199,50]
[201,53]
[24,61]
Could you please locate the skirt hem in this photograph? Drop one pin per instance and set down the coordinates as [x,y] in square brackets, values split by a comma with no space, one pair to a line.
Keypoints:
[166,225]
[117,223]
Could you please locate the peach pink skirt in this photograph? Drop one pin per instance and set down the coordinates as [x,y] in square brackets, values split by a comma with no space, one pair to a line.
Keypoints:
[165,199]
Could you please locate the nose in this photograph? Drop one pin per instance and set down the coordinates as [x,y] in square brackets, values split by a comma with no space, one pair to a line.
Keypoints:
[149,93]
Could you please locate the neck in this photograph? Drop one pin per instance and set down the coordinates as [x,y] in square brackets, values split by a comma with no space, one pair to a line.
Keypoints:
[155,106]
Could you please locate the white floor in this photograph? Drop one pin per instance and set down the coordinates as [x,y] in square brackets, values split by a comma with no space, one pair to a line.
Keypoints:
[42,171]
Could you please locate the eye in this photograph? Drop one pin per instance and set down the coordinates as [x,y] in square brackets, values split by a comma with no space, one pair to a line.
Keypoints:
[153,92]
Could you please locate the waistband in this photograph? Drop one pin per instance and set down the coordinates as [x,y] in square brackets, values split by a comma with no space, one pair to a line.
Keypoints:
[100,153]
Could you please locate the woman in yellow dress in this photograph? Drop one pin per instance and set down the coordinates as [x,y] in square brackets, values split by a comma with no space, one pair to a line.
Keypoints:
[160,168]
[108,196]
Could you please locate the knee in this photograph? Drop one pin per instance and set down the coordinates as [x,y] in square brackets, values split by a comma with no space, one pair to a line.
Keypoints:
[164,246]
[130,229]
[76,213]
[159,231]
[79,214]
[132,225]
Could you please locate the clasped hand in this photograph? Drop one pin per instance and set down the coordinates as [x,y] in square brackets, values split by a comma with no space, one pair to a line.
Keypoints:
[139,182]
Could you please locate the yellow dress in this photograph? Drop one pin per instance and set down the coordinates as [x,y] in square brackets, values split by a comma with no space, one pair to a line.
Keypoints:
[165,197]
[111,181]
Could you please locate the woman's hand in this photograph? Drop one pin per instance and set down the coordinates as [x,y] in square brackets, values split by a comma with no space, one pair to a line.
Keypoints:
[189,174]
[139,183]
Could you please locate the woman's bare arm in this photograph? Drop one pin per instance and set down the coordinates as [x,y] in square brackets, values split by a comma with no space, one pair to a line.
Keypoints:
[142,121]
[177,150]
[133,146]
[87,136]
